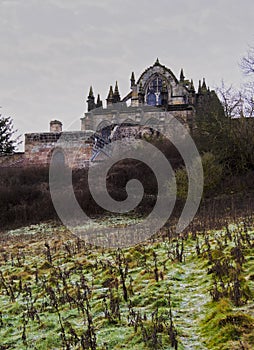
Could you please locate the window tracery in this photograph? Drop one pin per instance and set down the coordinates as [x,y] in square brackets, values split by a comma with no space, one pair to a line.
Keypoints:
[154,91]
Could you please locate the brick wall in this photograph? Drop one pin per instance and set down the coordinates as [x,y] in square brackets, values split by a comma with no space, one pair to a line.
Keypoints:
[76,148]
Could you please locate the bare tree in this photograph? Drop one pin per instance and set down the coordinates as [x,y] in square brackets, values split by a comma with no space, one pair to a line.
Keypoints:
[247,62]
[240,103]
[231,99]
[247,67]
[238,149]
[249,99]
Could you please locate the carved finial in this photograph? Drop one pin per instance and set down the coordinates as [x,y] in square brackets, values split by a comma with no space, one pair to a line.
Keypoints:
[192,88]
[110,93]
[132,79]
[204,88]
[110,97]
[99,102]
[199,86]
[116,88]
[116,95]
[91,92]
[90,100]
[157,62]
[182,76]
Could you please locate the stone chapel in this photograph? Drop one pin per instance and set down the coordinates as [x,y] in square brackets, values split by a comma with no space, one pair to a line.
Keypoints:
[155,95]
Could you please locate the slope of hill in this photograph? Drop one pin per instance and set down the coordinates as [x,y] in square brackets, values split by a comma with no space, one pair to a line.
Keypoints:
[189,292]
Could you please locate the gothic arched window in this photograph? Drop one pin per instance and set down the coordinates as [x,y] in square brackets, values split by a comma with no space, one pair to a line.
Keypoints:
[154,90]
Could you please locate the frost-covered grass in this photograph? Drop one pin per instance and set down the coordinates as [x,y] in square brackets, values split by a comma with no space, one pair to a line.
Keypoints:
[57,292]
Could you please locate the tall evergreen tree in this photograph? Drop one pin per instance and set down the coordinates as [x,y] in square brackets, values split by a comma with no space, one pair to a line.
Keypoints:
[8,140]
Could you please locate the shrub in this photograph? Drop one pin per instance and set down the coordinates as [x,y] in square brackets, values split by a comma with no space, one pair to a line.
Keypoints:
[212,171]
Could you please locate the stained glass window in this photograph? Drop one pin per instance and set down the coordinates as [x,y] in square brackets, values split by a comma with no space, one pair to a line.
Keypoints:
[154,92]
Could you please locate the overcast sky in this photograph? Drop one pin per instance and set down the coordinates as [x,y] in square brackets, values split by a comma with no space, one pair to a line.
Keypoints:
[53,50]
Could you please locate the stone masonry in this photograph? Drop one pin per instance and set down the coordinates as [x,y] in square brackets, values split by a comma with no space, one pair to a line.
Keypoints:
[153,100]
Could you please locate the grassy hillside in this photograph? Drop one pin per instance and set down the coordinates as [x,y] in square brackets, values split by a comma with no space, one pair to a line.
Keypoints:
[188,292]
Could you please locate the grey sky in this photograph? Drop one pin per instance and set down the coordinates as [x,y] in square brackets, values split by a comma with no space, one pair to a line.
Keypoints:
[53,50]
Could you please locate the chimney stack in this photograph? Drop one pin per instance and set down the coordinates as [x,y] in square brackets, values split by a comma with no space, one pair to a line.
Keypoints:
[55,126]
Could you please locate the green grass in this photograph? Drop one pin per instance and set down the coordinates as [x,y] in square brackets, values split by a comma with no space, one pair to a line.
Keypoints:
[32,319]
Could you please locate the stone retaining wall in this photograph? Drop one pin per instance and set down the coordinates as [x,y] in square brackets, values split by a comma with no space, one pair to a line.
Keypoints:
[75,149]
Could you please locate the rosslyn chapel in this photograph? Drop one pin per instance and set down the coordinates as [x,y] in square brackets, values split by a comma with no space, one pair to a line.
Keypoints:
[155,94]
[153,97]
